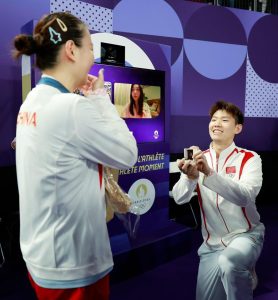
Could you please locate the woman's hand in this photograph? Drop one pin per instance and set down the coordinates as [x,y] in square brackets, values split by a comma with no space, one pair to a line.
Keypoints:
[98,82]
[93,83]
[86,88]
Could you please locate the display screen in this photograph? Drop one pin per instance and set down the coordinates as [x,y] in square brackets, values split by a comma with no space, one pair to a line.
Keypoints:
[137,100]
[139,97]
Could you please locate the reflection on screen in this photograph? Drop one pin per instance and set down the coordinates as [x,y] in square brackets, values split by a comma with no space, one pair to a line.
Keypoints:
[108,88]
[137,101]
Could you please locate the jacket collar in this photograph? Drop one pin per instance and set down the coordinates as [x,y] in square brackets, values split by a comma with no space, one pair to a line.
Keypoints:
[226,152]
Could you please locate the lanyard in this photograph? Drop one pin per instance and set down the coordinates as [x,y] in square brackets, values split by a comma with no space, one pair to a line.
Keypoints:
[54,83]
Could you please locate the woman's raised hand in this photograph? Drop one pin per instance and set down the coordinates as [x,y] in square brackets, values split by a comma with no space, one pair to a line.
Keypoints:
[93,83]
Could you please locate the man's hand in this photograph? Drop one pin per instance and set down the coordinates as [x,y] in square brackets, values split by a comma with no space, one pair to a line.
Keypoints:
[189,168]
[201,162]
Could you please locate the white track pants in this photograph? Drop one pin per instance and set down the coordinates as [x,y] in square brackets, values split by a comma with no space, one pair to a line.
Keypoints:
[225,274]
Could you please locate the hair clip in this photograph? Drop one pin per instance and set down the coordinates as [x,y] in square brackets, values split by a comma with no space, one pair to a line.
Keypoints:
[54,34]
[62,25]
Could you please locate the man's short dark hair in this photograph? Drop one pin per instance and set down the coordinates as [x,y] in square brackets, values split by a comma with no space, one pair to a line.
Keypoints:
[228,107]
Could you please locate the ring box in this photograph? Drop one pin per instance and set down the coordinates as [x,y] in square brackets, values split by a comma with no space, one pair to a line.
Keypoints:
[188,153]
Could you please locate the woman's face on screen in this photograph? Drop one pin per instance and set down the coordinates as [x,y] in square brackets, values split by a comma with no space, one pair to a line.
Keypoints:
[135,92]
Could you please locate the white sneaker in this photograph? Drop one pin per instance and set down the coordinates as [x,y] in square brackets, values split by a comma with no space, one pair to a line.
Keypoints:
[254,278]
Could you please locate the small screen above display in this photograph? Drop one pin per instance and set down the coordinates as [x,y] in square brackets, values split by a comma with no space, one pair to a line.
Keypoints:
[112,54]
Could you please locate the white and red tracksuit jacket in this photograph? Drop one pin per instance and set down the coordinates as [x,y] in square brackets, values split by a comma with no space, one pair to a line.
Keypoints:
[227,197]
[62,140]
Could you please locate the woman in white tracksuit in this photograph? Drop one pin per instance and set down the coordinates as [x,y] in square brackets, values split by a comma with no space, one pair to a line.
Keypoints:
[63,140]
[227,179]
